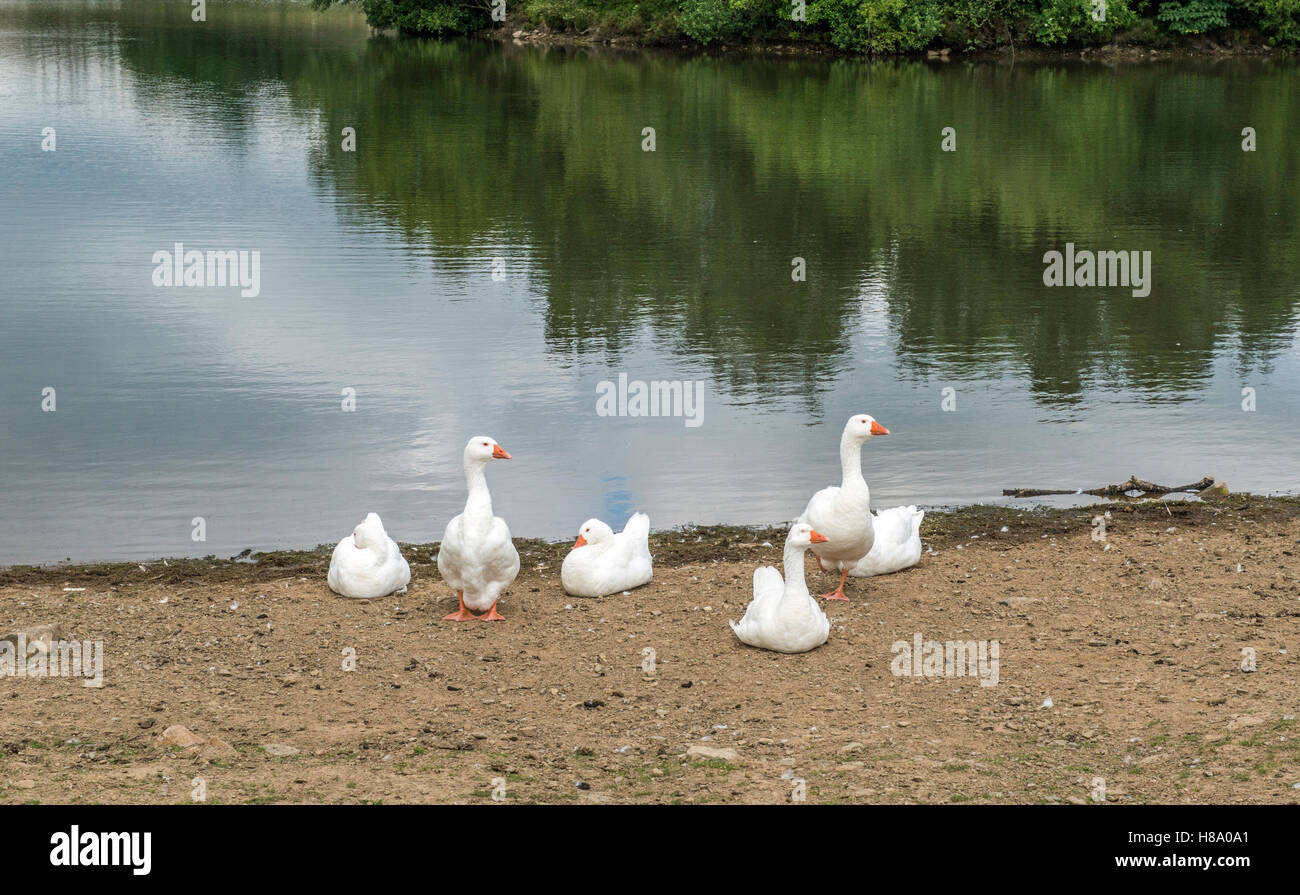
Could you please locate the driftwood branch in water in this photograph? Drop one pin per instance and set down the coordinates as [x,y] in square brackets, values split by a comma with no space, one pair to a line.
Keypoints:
[1133,484]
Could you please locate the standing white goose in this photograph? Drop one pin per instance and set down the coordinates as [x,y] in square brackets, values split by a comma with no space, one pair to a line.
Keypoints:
[783,616]
[368,564]
[476,556]
[843,513]
[602,562]
[898,543]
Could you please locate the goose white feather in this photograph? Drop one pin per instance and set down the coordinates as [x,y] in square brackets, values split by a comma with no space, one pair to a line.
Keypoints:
[368,564]
[477,557]
[602,562]
[783,616]
[843,513]
[897,543]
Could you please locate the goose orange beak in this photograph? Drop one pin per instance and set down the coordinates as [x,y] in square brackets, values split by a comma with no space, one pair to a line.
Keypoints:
[818,538]
[877,429]
[581,542]
[499,453]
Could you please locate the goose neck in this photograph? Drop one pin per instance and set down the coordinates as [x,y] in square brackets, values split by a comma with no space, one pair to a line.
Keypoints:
[795,584]
[479,503]
[851,461]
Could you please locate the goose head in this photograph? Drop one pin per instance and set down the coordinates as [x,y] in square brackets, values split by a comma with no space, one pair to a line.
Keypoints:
[483,448]
[595,533]
[804,536]
[369,533]
[862,426]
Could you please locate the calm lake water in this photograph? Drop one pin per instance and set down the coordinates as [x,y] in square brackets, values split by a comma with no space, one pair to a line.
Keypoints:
[924,272]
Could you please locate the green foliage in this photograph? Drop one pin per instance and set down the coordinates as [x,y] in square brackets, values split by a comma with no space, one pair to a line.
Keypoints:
[859,26]
[1194,16]
[879,26]
[1062,21]
[710,21]
[1279,19]
[439,17]
[560,15]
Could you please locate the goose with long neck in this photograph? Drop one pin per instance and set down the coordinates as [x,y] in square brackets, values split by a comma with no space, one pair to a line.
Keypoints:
[783,616]
[477,557]
[843,512]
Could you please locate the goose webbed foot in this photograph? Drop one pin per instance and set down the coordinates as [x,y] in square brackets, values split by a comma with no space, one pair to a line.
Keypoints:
[463,614]
[838,593]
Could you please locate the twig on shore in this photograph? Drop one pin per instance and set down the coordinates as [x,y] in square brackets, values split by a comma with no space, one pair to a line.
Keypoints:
[1133,484]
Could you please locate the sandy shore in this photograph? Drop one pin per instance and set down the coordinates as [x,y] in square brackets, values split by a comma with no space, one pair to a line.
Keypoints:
[1139,647]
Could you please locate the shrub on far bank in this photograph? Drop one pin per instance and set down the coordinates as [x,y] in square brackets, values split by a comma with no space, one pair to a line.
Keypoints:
[876,27]
[1278,19]
[421,16]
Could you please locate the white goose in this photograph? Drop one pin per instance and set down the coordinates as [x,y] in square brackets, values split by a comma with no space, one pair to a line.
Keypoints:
[843,513]
[476,556]
[602,562]
[897,545]
[783,616]
[368,564]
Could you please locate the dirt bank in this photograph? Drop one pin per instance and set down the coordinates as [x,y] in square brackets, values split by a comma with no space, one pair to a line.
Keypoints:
[1139,647]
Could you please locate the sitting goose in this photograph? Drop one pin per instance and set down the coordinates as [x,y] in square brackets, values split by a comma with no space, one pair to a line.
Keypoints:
[368,564]
[783,616]
[602,562]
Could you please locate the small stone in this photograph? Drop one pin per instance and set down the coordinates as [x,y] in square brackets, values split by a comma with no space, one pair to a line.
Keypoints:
[1218,489]
[181,736]
[215,749]
[1019,602]
[279,750]
[707,752]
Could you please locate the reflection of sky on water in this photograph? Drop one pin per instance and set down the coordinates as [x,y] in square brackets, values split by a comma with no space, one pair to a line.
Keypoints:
[181,403]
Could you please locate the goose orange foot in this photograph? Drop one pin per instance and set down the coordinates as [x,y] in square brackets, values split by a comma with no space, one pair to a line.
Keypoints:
[463,615]
[492,615]
[838,593]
